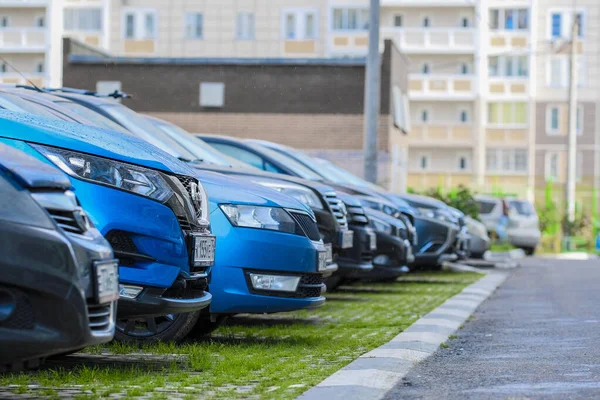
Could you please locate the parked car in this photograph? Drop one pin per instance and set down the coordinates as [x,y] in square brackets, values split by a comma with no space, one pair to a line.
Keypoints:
[434,239]
[523,228]
[58,275]
[159,231]
[249,218]
[479,241]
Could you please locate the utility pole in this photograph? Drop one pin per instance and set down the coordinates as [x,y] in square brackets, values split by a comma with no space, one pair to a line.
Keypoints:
[372,89]
[572,142]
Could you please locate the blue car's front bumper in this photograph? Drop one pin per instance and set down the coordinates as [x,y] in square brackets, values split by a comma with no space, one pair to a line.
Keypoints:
[244,250]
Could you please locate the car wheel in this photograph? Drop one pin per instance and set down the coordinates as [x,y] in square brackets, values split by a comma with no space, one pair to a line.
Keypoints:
[529,250]
[205,325]
[164,328]
[333,282]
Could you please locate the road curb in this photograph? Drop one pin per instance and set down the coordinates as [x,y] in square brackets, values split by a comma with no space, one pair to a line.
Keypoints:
[373,374]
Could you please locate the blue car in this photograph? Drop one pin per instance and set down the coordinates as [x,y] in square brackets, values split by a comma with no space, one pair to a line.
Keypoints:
[289,259]
[148,206]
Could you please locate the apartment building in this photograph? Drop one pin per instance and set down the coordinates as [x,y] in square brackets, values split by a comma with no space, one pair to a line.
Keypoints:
[488,79]
[30,40]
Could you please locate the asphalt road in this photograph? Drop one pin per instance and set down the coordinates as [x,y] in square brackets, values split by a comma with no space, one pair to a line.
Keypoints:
[538,336]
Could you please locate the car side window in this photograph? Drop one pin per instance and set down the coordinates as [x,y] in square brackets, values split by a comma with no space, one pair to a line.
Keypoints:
[240,154]
[272,168]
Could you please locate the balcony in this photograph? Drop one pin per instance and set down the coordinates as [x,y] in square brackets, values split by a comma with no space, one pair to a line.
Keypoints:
[24,3]
[508,87]
[441,87]
[349,43]
[508,135]
[441,134]
[503,41]
[432,40]
[22,40]
[428,3]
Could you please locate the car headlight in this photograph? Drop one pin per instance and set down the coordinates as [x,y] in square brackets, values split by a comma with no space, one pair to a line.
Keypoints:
[300,193]
[272,218]
[132,178]
[380,225]
[427,212]
[441,215]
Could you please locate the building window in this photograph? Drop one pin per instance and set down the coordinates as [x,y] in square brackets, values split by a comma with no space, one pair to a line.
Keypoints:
[462,163]
[40,22]
[212,94]
[552,166]
[464,69]
[140,24]
[425,69]
[83,19]
[465,22]
[426,22]
[556,21]
[464,116]
[553,120]
[3,68]
[580,120]
[424,116]
[4,22]
[39,68]
[507,113]
[300,23]
[350,19]
[398,20]
[509,19]
[506,161]
[509,66]
[244,26]
[580,24]
[194,25]
[424,162]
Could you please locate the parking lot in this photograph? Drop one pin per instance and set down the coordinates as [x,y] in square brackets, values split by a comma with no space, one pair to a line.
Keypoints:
[270,356]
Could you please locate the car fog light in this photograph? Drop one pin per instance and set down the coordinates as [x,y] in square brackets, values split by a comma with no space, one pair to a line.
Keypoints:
[130,292]
[381,259]
[278,283]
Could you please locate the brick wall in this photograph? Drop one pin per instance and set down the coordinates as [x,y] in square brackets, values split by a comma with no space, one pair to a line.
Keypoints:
[305,131]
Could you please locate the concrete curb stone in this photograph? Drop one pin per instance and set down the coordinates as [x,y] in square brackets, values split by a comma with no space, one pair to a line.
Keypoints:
[373,374]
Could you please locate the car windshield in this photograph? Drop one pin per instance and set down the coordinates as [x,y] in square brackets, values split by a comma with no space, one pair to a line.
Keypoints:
[486,207]
[343,176]
[98,119]
[522,207]
[289,162]
[141,127]
[12,102]
[202,151]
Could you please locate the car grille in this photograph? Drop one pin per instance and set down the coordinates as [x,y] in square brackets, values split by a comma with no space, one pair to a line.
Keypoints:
[67,221]
[337,207]
[100,317]
[121,241]
[356,215]
[306,226]
[186,181]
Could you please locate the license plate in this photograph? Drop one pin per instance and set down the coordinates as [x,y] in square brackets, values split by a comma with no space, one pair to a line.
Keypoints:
[373,240]
[204,250]
[329,252]
[322,260]
[107,281]
[347,239]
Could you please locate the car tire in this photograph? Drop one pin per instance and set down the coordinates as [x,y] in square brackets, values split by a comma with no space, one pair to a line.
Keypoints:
[529,250]
[333,282]
[169,328]
[205,325]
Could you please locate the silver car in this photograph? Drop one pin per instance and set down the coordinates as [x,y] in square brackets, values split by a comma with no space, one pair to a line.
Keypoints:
[523,228]
[479,241]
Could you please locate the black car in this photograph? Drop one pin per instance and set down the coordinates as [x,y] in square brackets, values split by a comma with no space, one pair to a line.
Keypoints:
[58,278]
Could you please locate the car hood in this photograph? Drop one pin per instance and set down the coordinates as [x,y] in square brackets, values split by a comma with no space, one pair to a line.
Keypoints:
[386,218]
[417,200]
[223,189]
[86,139]
[31,172]
[397,203]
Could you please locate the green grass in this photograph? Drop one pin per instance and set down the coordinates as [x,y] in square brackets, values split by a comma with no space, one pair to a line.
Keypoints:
[502,247]
[266,356]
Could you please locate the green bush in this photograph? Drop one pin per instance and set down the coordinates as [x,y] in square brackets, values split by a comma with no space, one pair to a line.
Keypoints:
[461,198]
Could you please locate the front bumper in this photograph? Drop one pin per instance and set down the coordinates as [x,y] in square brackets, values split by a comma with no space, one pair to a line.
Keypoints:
[436,241]
[392,256]
[51,314]
[359,258]
[273,253]
[154,301]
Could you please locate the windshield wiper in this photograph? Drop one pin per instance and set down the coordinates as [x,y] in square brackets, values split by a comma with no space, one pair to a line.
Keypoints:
[187,160]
